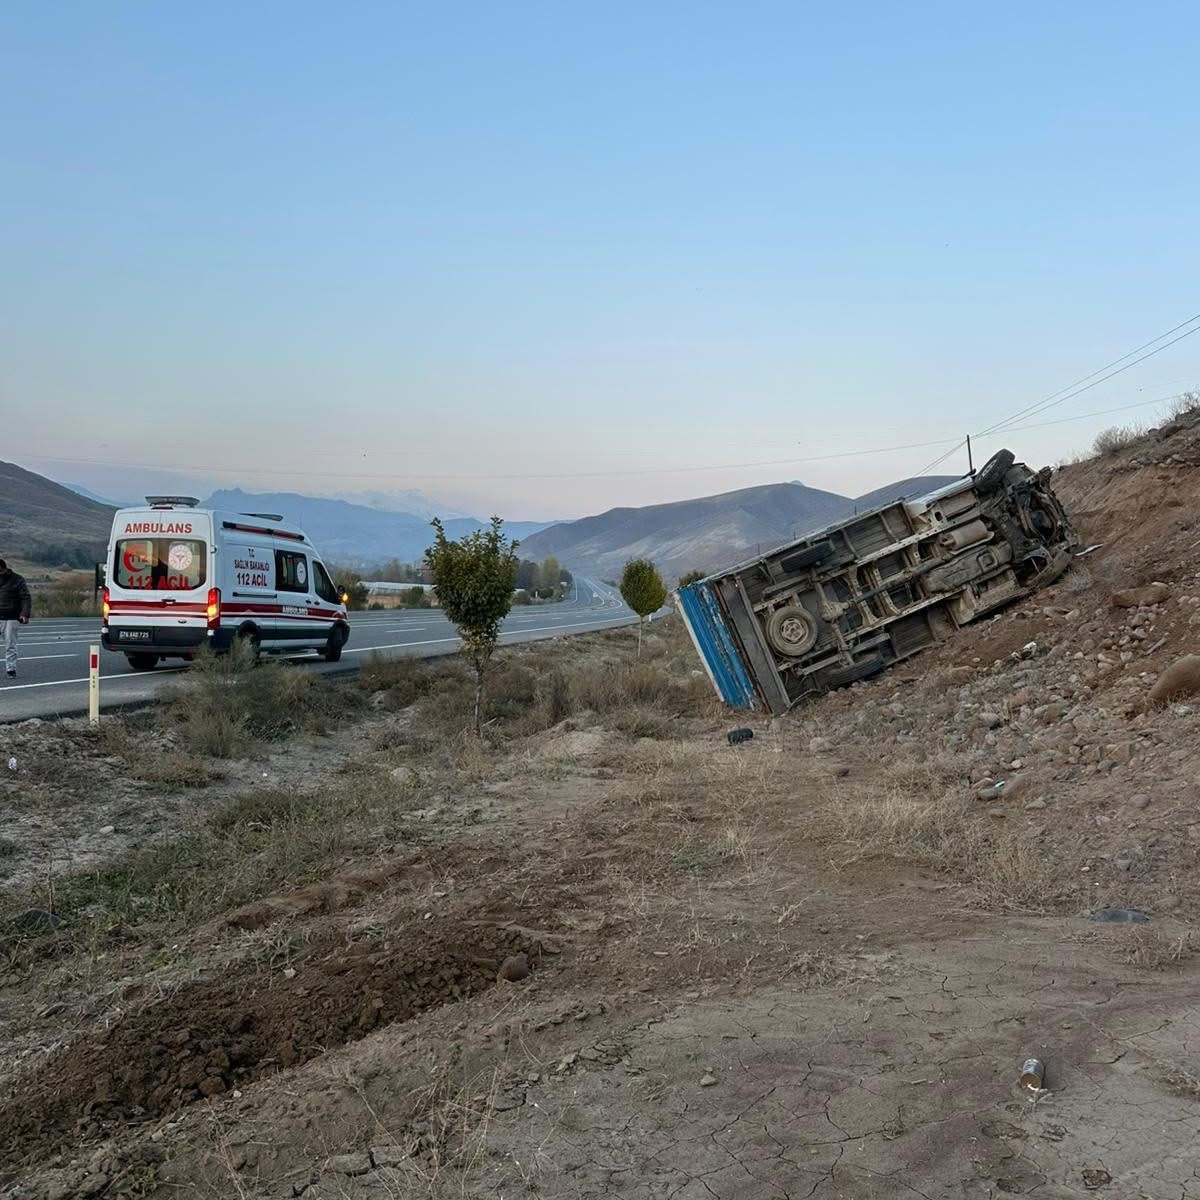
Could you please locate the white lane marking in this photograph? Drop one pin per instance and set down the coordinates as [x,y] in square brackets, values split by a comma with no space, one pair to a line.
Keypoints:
[503,633]
[123,678]
[58,641]
[396,645]
[43,657]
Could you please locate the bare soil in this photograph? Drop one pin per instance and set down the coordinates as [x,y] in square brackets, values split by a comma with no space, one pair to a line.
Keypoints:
[811,965]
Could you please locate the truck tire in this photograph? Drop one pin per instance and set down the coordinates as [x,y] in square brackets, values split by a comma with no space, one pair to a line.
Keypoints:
[792,630]
[845,676]
[810,556]
[991,475]
[334,644]
[142,660]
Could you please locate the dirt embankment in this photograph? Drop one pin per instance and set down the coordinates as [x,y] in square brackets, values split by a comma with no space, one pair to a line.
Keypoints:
[605,953]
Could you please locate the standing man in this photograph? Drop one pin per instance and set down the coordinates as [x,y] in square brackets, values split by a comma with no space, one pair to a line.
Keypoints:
[15,604]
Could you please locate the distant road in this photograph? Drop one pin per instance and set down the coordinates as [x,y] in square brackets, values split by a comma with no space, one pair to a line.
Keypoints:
[52,679]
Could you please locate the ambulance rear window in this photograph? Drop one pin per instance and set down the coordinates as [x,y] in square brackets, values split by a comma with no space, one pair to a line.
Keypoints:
[166,564]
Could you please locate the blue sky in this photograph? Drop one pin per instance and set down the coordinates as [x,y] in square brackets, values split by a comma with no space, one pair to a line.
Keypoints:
[346,248]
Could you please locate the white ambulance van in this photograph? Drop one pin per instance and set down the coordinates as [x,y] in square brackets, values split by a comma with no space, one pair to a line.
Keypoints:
[180,577]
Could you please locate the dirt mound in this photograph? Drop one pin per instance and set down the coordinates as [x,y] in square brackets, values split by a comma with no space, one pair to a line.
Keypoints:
[224,1033]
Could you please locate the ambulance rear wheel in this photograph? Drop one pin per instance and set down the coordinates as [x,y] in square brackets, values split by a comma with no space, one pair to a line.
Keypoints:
[248,637]
[143,661]
[333,647]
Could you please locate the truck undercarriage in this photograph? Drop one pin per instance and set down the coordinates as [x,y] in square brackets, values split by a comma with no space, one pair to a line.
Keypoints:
[846,601]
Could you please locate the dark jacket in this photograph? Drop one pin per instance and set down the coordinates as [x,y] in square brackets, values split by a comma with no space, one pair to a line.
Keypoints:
[14,597]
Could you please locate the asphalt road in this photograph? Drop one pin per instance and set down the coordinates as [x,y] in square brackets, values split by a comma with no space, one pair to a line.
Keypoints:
[52,674]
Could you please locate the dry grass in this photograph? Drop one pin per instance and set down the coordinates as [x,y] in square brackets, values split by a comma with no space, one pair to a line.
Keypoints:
[1152,949]
[441,1149]
[71,596]
[1184,405]
[950,831]
[228,703]
[1112,441]
[150,760]
[1079,580]
[406,680]
[532,689]
[247,848]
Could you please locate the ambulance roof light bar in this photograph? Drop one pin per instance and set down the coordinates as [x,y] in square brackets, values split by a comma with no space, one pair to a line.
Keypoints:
[172,501]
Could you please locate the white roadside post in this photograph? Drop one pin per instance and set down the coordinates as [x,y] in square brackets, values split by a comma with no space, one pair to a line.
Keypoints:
[94,684]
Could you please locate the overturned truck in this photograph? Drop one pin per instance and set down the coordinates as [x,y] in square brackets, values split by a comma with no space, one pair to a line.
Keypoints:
[846,601]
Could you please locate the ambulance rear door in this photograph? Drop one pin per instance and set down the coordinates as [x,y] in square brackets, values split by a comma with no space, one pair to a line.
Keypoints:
[159,568]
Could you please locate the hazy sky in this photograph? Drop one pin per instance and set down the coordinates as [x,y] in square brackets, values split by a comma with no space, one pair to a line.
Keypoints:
[362,246]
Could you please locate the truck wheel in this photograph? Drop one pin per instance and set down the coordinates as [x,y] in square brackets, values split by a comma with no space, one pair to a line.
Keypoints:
[810,556]
[848,675]
[991,475]
[333,647]
[791,630]
[1054,568]
[143,661]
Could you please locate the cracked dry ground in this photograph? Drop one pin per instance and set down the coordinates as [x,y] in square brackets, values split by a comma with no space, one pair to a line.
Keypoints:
[725,1001]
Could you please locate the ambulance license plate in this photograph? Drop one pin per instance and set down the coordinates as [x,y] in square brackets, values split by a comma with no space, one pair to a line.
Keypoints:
[134,635]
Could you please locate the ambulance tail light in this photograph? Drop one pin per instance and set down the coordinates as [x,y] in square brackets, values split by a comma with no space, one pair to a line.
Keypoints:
[105,607]
[213,612]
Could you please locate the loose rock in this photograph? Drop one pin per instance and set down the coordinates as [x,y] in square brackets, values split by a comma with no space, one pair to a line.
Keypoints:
[350,1164]
[1153,593]
[388,1156]
[514,968]
[1181,678]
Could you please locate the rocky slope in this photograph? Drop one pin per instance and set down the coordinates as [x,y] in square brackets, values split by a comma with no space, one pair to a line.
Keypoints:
[1049,709]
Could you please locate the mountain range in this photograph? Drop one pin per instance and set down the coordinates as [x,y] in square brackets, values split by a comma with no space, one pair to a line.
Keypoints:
[707,533]
[46,522]
[354,534]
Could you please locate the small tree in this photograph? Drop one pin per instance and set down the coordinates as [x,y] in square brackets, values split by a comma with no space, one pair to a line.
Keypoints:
[642,588]
[549,577]
[475,577]
[690,577]
[527,574]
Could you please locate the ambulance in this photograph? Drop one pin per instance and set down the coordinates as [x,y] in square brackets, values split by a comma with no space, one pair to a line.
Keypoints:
[180,577]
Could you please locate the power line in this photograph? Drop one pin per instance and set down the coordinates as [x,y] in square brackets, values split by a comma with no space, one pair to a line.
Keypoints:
[1083,385]
[997,432]
[1102,412]
[1127,361]
[937,462]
